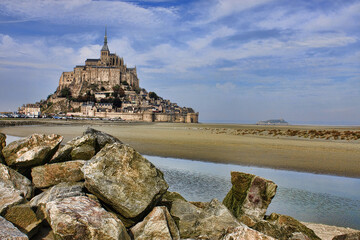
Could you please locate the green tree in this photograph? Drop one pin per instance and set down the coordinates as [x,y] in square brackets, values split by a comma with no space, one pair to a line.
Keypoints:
[153,95]
[117,102]
[116,88]
[65,92]
[118,91]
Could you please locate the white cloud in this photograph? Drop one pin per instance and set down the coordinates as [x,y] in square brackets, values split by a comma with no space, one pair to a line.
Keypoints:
[224,8]
[346,17]
[326,40]
[202,42]
[226,87]
[89,12]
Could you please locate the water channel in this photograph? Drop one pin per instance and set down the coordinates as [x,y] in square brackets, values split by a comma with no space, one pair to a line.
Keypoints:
[307,197]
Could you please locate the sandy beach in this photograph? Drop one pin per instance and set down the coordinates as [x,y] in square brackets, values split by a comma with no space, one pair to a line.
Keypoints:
[227,143]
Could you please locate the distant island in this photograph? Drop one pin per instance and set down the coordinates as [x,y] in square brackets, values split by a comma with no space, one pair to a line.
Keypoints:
[273,122]
[107,88]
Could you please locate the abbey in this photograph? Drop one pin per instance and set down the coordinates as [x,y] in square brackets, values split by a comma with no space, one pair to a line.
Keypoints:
[105,88]
[104,73]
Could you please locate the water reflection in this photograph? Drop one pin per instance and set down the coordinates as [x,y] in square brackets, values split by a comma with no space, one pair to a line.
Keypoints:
[308,197]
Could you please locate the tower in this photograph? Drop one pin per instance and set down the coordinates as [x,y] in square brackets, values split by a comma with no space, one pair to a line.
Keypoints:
[105,50]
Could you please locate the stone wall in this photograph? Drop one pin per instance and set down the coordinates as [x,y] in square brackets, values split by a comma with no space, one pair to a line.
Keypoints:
[83,76]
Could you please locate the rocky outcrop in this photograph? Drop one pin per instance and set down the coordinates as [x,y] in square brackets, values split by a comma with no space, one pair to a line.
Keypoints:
[9,232]
[32,151]
[284,227]
[349,236]
[8,197]
[158,224]
[123,179]
[24,218]
[14,188]
[2,145]
[52,174]
[13,179]
[244,233]
[249,197]
[101,138]
[83,218]
[79,148]
[57,192]
[209,222]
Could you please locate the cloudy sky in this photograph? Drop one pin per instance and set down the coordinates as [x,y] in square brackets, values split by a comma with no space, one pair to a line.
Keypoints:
[231,60]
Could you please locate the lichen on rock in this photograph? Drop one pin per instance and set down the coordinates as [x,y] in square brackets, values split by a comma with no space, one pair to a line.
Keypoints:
[249,197]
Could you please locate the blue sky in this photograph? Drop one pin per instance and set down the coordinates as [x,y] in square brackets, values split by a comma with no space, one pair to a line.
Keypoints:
[231,60]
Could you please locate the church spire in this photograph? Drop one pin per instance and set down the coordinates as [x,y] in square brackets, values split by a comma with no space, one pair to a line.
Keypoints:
[105,38]
[105,47]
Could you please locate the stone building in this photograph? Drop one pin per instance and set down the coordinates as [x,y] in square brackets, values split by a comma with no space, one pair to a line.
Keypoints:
[100,74]
[30,110]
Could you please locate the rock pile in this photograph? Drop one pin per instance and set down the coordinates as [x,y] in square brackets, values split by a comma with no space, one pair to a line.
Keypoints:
[96,187]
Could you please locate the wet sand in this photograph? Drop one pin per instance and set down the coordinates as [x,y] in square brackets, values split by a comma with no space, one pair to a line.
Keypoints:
[217,143]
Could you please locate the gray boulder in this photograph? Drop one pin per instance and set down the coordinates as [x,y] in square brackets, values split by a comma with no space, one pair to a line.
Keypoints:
[57,192]
[101,138]
[244,233]
[14,188]
[249,197]
[209,221]
[13,179]
[83,218]
[51,174]
[349,236]
[9,196]
[283,227]
[79,148]
[123,179]
[9,232]
[158,224]
[31,151]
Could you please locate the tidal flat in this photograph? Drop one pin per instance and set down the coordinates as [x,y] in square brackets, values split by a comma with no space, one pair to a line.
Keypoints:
[248,145]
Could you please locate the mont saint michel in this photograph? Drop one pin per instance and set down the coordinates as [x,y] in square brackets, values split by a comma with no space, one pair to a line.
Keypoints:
[106,88]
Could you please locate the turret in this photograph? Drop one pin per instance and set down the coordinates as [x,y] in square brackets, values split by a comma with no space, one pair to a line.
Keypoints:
[105,50]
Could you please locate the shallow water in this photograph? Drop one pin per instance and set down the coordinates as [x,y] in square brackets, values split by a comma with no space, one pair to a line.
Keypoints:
[307,197]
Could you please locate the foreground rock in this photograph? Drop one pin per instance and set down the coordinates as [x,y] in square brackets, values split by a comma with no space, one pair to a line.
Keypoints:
[13,179]
[52,174]
[14,188]
[349,236]
[83,218]
[2,145]
[157,225]
[24,218]
[123,179]
[327,232]
[79,148]
[8,197]
[284,227]
[245,233]
[58,192]
[32,151]
[101,138]
[9,232]
[209,222]
[249,197]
